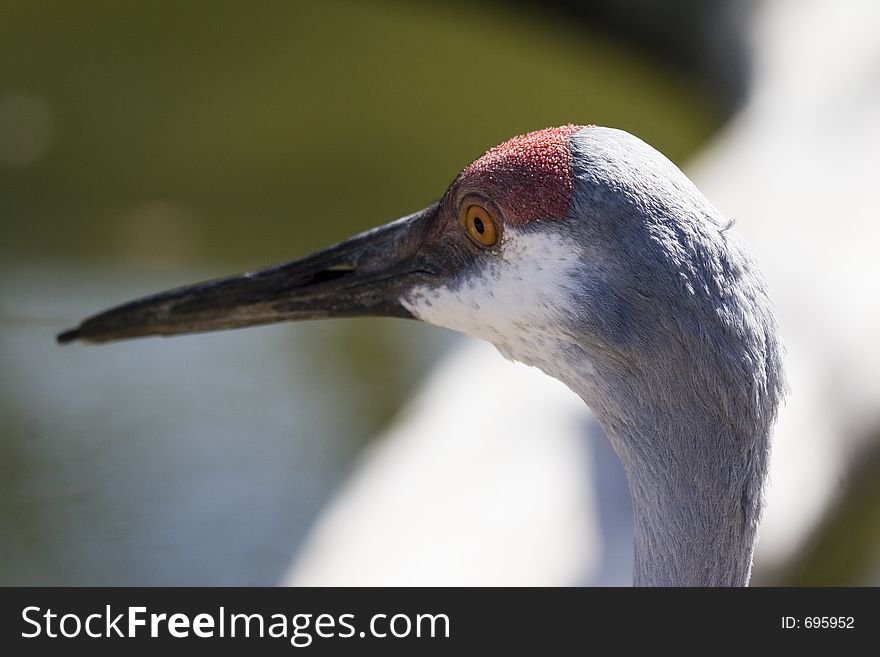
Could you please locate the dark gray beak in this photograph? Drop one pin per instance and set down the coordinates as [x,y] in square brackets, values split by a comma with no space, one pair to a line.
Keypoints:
[362,276]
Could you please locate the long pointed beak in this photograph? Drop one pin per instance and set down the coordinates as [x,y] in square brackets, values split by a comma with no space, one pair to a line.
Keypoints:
[361,276]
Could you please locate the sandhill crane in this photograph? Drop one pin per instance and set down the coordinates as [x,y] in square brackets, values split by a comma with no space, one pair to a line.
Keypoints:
[584,252]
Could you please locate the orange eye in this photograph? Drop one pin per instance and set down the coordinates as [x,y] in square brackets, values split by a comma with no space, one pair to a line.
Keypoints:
[480,225]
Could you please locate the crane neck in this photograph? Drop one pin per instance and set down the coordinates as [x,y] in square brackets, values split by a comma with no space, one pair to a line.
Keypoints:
[694,519]
[695,477]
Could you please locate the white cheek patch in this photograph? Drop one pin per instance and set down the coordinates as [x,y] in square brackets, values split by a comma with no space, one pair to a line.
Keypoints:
[517,300]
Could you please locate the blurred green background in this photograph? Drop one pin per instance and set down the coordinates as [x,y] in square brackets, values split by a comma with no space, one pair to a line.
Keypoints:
[160,133]
[145,145]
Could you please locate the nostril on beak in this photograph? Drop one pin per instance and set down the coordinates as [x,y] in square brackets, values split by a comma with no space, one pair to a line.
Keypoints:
[332,273]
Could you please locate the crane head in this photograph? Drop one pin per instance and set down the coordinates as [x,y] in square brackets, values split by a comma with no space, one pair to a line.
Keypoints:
[392,270]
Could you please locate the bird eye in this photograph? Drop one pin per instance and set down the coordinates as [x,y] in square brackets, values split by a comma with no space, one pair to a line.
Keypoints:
[480,225]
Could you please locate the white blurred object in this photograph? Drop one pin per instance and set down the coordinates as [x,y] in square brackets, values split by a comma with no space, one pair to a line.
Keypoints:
[456,494]
[428,493]
[797,169]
